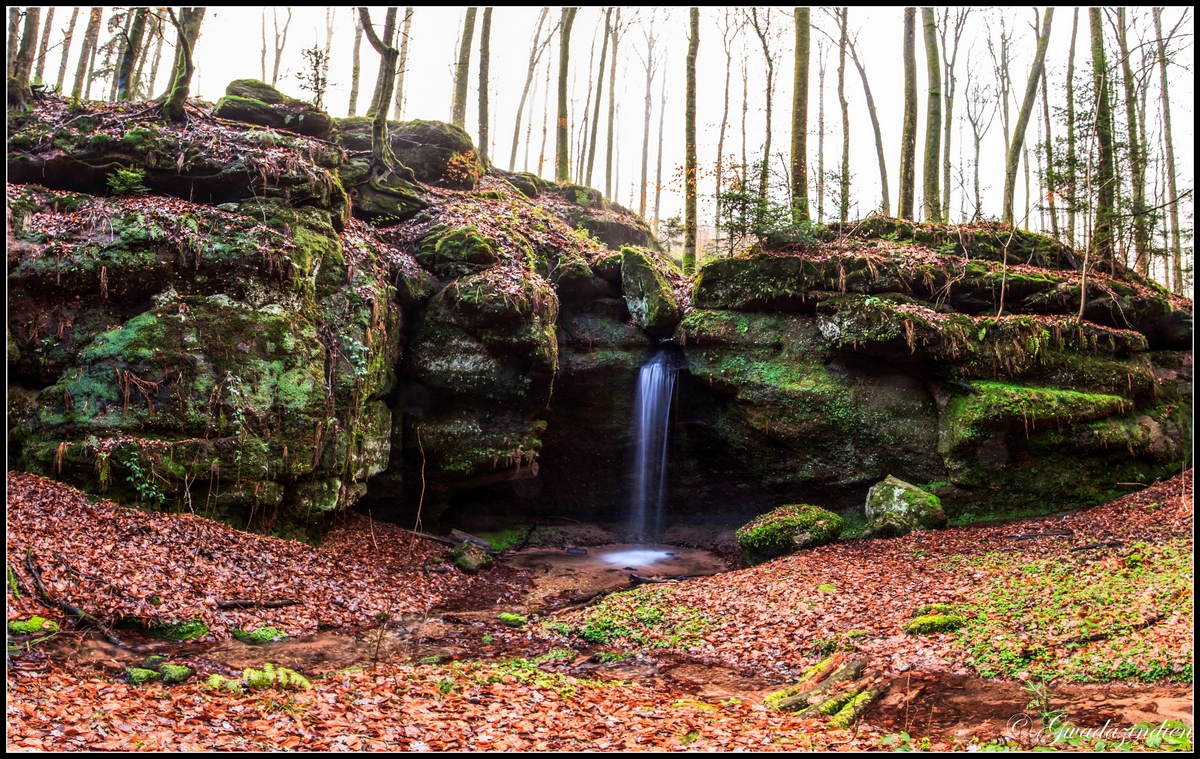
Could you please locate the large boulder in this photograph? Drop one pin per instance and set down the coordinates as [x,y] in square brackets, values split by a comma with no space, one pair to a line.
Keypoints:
[256,102]
[896,508]
[438,153]
[787,529]
[648,294]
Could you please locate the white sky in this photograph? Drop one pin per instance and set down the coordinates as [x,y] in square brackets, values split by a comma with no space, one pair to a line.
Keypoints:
[230,47]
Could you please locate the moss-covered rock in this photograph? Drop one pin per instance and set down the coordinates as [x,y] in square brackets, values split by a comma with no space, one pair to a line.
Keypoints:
[256,90]
[934,623]
[256,102]
[785,530]
[454,252]
[264,634]
[648,294]
[139,676]
[438,153]
[896,508]
[509,619]
[33,626]
[174,673]
[470,558]
[379,195]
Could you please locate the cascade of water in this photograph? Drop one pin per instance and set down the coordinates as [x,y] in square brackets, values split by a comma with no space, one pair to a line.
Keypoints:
[651,415]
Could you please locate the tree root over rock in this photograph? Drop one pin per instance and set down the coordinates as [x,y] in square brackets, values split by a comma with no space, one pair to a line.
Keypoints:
[834,687]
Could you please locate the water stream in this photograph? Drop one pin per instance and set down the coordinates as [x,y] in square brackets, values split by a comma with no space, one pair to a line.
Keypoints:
[651,418]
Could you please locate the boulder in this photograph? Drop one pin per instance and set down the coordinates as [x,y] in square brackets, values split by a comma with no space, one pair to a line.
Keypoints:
[786,530]
[438,153]
[896,508]
[256,102]
[648,293]
[470,558]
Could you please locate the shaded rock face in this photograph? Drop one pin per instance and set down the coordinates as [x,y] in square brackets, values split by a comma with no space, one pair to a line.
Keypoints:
[238,341]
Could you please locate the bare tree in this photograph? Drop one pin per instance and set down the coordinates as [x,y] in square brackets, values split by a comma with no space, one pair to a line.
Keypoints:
[1102,234]
[19,92]
[843,43]
[88,53]
[485,61]
[120,41]
[609,175]
[689,140]
[886,202]
[591,155]
[662,112]
[402,64]
[908,137]
[562,169]
[823,54]
[762,27]
[458,111]
[1018,139]
[41,56]
[933,120]
[545,115]
[1169,148]
[951,33]
[14,37]
[66,49]
[263,58]
[280,42]
[1051,183]
[356,64]
[535,55]
[383,160]
[1137,158]
[650,63]
[981,108]
[729,30]
[800,117]
[133,49]
[1072,159]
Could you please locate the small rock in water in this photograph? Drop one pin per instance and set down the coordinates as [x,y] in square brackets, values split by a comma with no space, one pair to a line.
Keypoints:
[577,551]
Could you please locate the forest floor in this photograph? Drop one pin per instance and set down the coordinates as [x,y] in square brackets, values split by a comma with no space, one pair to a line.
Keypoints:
[1088,614]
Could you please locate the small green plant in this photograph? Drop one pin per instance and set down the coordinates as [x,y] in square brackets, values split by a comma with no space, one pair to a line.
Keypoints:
[826,587]
[558,628]
[557,654]
[445,686]
[487,640]
[271,676]
[128,181]
[263,634]
[691,737]
[435,659]
[511,620]
[12,582]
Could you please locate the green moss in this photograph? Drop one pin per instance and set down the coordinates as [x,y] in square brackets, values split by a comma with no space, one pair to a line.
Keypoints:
[139,676]
[174,673]
[648,293]
[785,530]
[275,677]
[188,630]
[934,608]
[32,626]
[264,634]
[454,252]
[641,617]
[470,558]
[934,623]
[511,620]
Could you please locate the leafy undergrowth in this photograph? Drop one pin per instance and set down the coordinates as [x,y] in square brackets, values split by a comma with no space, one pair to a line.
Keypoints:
[784,615]
[1088,618]
[507,706]
[119,563]
[645,616]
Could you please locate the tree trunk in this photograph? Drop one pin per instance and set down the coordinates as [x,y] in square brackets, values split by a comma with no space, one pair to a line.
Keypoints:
[662,112]
[263,58]
[1137,155]
[90,35]
[562,169]
[381,149]
[1172,191]
[648,104]
[933,121]
[800,118]
[821,142]
[485,60]
[378,101]
[152,30]
[726,39]
[14,37]
[689,141]
[1018,138]
[91,70]
[844,200]
[535,55]
[545,117]
[763,30]
[123,43]
[41,57]
[20,94]
[591,157]
[580,155]
[949,59]
[1102,234]
[609,183]
[1051,184]
[1072,159]
[280,42]
[187,28]
[66,49]
[356,65]
[908,138]
[458,111]
[879,157]
[133,49]
[402,64]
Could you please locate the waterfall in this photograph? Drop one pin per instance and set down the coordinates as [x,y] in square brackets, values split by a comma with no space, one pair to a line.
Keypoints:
[651,417]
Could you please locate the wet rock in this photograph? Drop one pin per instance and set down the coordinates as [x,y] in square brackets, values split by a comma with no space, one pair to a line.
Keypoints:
[470,558]
[648,294]
[786,530]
